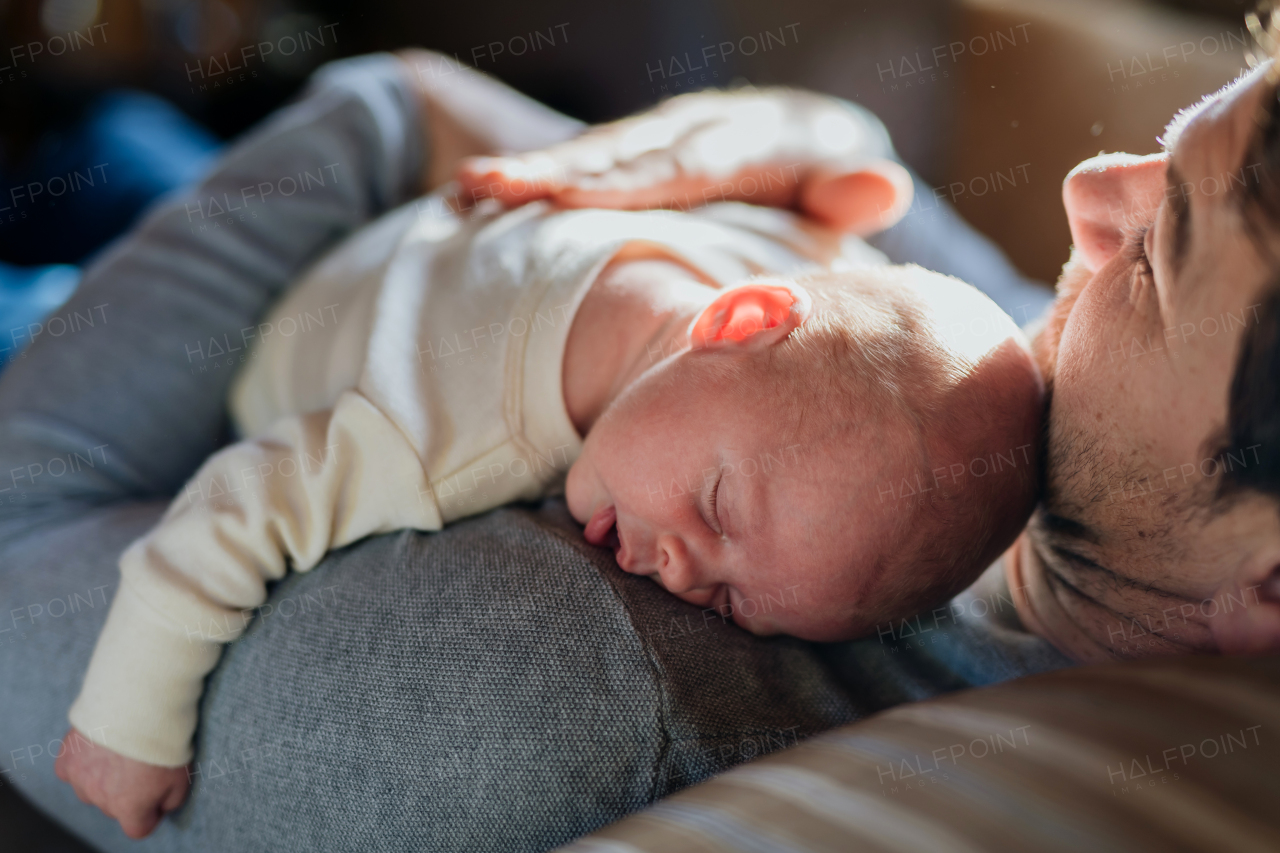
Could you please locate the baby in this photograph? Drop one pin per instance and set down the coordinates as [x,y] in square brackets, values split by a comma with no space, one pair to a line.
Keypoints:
[749,408]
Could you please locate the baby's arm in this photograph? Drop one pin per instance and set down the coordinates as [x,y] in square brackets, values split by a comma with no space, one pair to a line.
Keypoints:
[360,120]
[310,484]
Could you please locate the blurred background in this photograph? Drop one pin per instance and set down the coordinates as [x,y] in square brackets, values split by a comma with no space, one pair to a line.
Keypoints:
[107,104]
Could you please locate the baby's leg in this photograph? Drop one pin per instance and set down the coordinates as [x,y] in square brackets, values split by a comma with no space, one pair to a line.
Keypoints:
[126,396]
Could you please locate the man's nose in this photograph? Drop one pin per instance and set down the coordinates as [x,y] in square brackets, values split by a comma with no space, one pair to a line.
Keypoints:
[1108,196]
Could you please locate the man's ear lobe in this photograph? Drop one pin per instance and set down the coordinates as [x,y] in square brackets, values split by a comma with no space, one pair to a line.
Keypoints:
[753,315]
[1247,617]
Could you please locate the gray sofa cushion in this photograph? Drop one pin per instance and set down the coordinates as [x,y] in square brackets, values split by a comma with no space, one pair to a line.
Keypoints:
[500,685]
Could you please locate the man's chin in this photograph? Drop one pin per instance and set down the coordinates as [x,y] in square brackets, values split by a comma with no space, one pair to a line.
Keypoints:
[1075,275]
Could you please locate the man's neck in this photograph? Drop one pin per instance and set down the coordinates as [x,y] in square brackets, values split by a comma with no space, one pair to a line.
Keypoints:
[636,313]
[1039,612]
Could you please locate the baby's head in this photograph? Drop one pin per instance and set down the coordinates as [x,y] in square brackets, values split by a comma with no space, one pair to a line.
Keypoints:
[832,452]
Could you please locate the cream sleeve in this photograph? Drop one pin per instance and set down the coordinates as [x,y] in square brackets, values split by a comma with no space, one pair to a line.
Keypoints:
[310,484]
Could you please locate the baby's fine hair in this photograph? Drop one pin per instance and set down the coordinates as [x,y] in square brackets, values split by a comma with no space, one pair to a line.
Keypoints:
[869,364]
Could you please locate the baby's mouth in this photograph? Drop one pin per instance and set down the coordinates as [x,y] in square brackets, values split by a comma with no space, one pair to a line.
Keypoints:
[603,529]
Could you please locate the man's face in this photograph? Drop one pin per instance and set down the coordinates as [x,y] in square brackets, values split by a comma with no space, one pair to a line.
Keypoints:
[1129,555]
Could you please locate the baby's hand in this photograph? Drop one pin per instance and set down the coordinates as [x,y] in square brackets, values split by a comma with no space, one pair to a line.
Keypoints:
[133,792]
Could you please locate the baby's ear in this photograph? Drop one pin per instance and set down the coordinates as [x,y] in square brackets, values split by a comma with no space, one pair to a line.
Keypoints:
[755,315]
[861,202]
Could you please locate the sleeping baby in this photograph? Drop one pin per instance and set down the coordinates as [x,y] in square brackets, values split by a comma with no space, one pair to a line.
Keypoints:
[756,412]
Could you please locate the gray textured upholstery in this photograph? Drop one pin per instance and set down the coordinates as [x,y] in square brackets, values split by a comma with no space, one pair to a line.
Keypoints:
[497,686]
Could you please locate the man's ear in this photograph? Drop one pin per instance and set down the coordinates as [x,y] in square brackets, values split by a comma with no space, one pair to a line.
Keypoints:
[861,202]
[1246,610]
[754,315]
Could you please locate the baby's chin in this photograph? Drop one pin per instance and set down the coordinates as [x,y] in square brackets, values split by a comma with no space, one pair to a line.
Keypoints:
[816,631]
[812,625]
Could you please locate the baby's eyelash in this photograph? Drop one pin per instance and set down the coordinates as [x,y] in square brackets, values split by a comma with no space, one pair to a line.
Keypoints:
[711,503]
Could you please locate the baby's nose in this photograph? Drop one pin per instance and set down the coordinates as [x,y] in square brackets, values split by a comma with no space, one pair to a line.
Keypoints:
[674,566]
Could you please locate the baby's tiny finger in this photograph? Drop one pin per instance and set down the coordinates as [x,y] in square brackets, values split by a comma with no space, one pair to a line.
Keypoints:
[64,763]
[648,181]
[477,170]
[83,794]
[137,828]
[139,820]
[511,180]
[538,167]
[174,798]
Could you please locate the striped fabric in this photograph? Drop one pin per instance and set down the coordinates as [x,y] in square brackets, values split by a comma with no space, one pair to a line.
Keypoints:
[1151,755]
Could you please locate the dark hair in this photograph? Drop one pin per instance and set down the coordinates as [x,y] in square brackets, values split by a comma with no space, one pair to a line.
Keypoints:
[1252,432]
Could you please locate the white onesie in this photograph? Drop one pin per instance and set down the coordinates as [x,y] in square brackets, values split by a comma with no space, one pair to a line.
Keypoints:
[411,378]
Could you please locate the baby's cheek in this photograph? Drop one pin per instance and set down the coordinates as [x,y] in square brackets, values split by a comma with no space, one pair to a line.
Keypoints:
[761,626]
[576,491]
